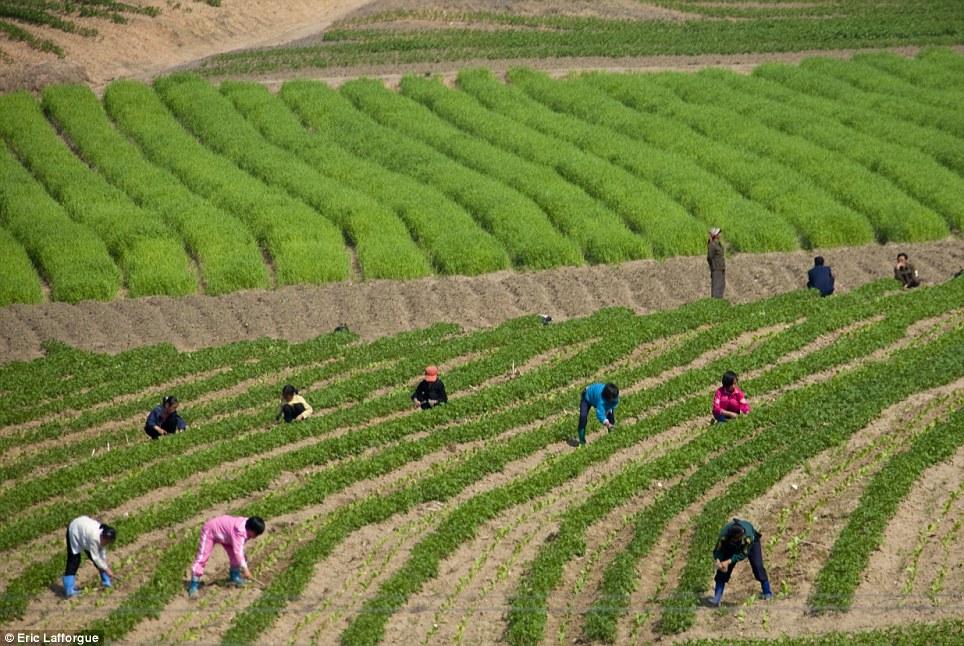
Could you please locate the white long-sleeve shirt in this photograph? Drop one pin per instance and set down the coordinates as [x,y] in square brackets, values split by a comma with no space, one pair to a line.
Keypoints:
[84,534]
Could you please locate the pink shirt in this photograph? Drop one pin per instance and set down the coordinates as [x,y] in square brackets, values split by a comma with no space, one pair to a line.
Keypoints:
[230,532]
[735,402]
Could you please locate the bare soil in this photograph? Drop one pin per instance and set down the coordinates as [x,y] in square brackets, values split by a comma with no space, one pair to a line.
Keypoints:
[378,308]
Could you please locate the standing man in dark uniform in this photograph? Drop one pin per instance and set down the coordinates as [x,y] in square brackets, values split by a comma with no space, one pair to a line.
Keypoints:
[714,256]
[820,277]
[739,540]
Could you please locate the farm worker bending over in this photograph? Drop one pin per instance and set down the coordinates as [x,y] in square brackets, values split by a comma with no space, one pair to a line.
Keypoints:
[717,262]
[430,390]
[604,398]
[293,406]
[905,272]
[729,401]
[164,420]
[84,534]
[230,532]
[820,277]
[738,540]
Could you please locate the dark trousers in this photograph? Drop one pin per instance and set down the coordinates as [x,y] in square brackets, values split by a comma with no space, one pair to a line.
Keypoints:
[584,407]
[169,425]
[73,560]
[755,558]
[717,283]
[291,412]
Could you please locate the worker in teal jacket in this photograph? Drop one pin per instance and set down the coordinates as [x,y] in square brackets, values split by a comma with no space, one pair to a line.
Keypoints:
[738,541]
[604,398]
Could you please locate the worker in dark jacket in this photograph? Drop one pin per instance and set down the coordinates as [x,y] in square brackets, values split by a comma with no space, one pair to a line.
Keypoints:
[820,277]
[164,420]
[905,272]
[738,540]
[714,256]
[430,392]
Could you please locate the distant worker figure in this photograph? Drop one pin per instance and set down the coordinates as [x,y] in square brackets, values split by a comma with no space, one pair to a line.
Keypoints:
[820,277]
[729,401]
[293,406]
[430,391]
[717,262]
[231,533]
[164,420]
[604,398]
[739,540]
[905,272]
[84,534]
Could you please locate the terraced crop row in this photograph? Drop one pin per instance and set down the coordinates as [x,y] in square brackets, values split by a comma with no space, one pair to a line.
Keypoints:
[367,465]
[183,187]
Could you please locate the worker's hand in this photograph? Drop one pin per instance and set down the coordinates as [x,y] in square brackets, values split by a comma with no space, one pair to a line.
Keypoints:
[718,566]
[247,573]
[725,565]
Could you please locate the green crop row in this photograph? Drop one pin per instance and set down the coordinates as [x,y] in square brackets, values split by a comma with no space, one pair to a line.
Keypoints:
[663,223]
[153,260]
[19,282]
[751,227]
[74,261]
[947,631]
[227,255]
[456,244]
[515,221]
[920,73]
[383,244]
[600,234]
[864,532]
[303,246]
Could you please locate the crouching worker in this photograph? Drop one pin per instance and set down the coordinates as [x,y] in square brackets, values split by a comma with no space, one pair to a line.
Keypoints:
[738,540]
[293,406]
[430,391]
[84,534]
[604,398]
[164,420]
[729,401]
[231,533]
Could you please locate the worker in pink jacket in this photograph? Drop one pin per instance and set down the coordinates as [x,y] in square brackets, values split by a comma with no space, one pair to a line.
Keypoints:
[729,401]
[231,532]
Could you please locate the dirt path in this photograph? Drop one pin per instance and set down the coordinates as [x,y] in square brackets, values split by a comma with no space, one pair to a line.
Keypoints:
[472,302]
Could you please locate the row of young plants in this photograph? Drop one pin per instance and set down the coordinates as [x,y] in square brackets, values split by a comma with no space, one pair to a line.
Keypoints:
[809,90]
[600,233]
[521,227]
[383,244]
[527,623]
[256,477]
[74,261]
[660,220]
[153,260]
[461,525]
[893,214]
[303,246]
[227,254]
[938,68]
[864,532]
[19,282]
[751,226]
[919,175]
[507,35]
[900,78]
[455,243]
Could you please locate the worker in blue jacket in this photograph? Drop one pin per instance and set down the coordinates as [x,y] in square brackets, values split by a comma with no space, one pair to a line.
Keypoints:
[604,398]
[820,277]
[739,541]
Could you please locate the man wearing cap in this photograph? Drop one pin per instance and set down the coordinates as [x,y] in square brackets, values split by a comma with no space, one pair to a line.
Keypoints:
[714,256]
[430,391]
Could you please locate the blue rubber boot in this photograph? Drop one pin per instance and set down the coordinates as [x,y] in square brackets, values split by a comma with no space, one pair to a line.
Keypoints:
[105,580]
[767,593]
[717,595]
[69,589]
[236,577]
[192,590]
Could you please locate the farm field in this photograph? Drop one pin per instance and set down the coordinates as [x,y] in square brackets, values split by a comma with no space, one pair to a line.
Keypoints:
[476,522]
[182,187]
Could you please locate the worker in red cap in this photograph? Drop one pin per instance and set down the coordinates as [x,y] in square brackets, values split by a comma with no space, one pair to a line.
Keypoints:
[430,391]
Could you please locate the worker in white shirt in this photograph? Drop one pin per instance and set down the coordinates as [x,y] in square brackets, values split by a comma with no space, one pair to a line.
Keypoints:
[90,536]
